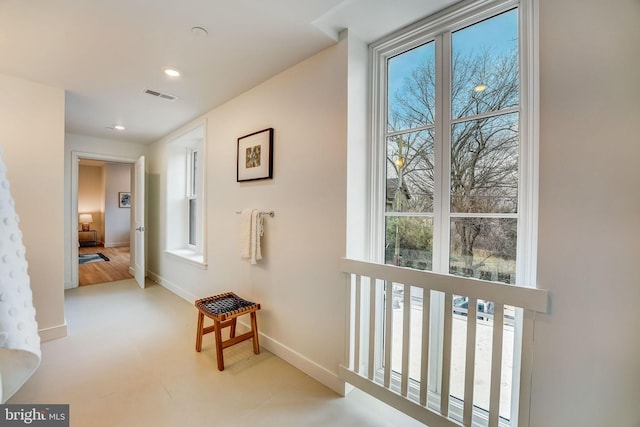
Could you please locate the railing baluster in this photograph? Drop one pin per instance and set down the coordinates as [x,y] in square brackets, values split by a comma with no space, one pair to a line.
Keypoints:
[349,333]
[424,357]
[372,328]
[526,367]
[446,355]
[388,333]
[470,360]
[406,339]
[356,337]
[496,364]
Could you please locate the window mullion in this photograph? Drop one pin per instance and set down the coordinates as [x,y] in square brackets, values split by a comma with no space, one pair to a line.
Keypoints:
[409,130]
[443,152]
[379,136]
[441,201]
[379,101]
[528,179]
[486,115]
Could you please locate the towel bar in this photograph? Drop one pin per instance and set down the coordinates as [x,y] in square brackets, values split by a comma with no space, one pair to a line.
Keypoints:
[263,213]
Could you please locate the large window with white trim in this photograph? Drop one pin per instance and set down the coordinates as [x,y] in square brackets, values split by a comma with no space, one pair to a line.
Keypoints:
[455,158]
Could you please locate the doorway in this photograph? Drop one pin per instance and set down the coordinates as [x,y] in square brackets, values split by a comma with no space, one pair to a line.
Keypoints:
[104,196]
[112,201]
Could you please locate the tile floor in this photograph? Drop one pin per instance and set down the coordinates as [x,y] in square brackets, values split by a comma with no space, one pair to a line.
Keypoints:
[129,360]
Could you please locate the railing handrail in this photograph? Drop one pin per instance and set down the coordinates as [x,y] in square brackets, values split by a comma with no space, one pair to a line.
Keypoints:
[518,296]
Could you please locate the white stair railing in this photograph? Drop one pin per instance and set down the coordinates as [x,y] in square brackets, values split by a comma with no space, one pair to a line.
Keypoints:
[370,337]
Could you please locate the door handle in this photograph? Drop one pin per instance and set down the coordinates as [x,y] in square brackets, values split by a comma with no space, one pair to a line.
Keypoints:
[141,228]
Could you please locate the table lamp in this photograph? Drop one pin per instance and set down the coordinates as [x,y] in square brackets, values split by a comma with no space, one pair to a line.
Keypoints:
[85,219]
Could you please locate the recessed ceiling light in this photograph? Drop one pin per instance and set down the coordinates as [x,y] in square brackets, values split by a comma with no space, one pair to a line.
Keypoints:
[199,31]
[480,88]
[118,127]
[171,72]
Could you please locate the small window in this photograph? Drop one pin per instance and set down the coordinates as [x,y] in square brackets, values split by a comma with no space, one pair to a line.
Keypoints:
[185,196]
[193,221]
[192,196]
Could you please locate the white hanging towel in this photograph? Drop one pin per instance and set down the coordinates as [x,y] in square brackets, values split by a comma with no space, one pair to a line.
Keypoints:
[251,232]
[245,233]
[256,236]
[19,340]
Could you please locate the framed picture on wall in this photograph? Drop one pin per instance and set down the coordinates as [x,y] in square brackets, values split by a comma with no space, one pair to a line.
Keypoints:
[255,156]
[124,199]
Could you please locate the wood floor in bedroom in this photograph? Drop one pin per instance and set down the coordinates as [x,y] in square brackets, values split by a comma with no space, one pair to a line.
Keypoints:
[117,268]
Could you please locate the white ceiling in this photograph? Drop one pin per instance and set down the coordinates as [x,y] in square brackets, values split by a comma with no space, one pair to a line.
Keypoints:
[106,52]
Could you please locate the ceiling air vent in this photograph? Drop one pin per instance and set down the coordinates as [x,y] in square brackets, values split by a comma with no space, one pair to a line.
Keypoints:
[161,95]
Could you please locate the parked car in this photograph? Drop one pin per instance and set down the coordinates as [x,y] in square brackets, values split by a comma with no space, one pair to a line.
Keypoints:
[461,306]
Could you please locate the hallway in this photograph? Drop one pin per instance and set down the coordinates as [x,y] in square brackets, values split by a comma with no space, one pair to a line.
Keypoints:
[129,360]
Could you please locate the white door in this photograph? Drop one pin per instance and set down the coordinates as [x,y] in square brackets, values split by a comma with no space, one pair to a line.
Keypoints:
[139,266]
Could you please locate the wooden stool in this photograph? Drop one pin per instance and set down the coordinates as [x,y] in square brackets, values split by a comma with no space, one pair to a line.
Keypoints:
[224,309]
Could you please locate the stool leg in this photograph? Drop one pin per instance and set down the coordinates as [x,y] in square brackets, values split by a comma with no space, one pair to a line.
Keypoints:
[219,345]
[232,331]
[254,329]
[199,331]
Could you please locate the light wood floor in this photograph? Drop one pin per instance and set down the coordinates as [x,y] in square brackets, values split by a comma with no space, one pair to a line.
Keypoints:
[117,268]
[129,361]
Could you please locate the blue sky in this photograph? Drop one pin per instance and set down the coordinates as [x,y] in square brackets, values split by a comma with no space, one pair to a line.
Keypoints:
[499,33]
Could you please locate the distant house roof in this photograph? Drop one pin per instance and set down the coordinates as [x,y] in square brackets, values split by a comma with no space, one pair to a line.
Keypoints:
[392,186]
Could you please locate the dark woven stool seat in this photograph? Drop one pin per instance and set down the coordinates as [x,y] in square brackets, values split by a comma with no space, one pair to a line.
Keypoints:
[225,305]
[223,309]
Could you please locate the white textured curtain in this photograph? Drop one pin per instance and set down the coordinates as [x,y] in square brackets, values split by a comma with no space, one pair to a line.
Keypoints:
[19,339]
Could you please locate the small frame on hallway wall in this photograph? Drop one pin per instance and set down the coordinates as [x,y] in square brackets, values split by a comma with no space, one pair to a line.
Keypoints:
[255,156]
[124,199]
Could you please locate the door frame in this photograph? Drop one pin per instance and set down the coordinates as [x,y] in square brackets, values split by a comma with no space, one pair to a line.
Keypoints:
[73,220]
[137,263]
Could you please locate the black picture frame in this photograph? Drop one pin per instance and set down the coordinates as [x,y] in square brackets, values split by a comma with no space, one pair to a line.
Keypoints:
[255,156]
[124,199]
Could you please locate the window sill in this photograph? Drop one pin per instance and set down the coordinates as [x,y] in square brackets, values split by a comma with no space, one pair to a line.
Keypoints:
[480,415]
[188,256]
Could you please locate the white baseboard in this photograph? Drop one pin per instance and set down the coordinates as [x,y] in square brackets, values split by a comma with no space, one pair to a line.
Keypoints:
[53,333]
[116,244]
[306,365]
[309,367]
[182,293]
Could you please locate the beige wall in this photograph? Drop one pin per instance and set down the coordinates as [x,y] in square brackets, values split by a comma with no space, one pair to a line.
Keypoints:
[32,115]
[587,351]
[117,220]
[297,283]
